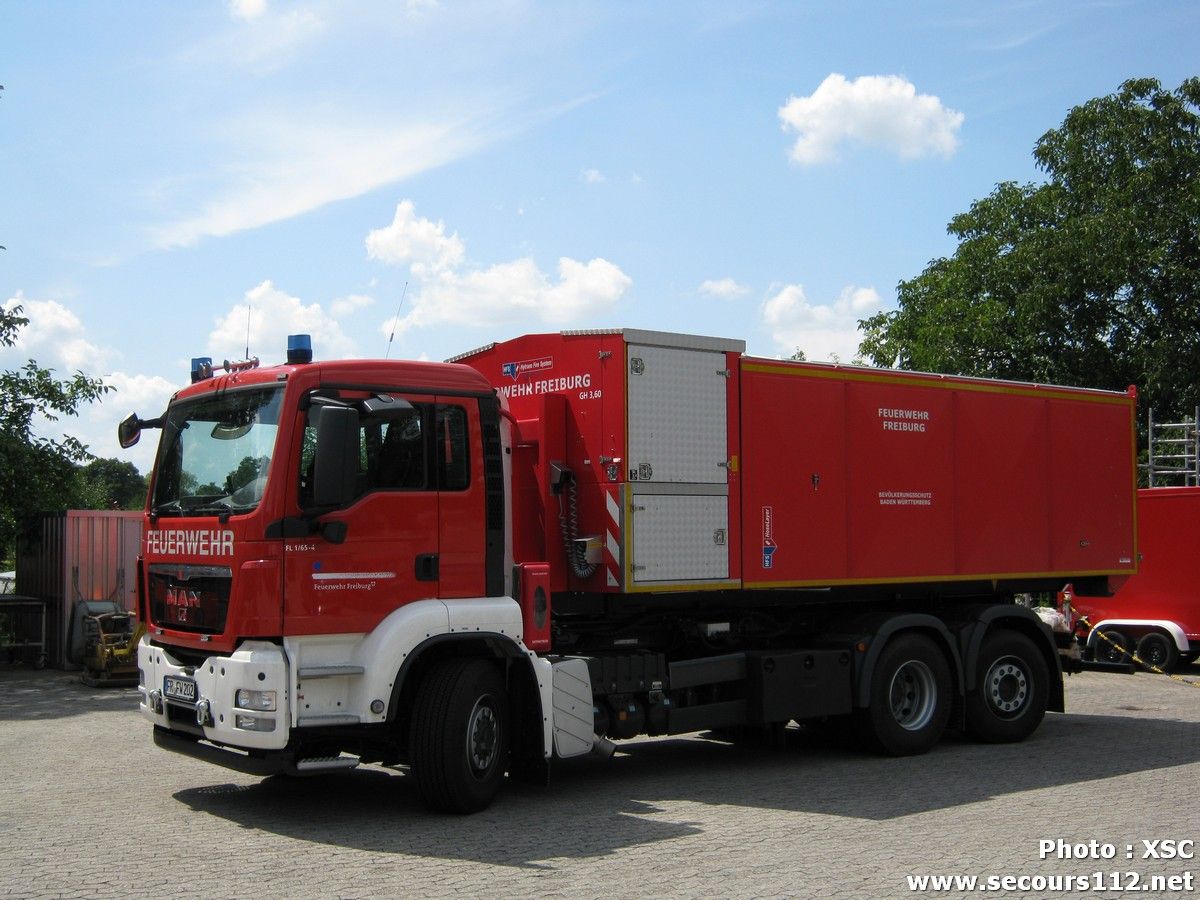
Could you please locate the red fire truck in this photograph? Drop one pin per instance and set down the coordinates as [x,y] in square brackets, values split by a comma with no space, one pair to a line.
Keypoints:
[476,567]
[1156,611]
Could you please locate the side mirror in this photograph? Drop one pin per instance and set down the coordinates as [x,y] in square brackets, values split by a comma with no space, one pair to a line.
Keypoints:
[129,431]
[131,427]
[336,462]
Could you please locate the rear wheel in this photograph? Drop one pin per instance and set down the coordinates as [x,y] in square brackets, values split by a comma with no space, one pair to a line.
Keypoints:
[910,698]
[1158,650]
[1112,646]
[1012,688]
[458,742]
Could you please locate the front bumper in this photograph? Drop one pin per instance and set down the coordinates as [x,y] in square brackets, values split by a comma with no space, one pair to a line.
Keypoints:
[257,666]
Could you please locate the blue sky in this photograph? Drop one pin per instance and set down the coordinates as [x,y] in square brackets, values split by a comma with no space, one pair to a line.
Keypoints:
[766,171]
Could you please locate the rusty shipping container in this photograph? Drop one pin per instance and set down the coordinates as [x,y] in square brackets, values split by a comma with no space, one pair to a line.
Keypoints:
[79,555]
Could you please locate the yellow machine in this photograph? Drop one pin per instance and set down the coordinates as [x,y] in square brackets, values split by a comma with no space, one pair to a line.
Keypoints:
[110,641]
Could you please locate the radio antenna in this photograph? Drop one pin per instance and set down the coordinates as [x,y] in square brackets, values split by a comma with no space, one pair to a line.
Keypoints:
[394,321]
[247,356]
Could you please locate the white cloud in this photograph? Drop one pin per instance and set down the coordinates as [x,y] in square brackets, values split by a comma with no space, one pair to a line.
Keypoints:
[247,9]
[449,292]
[420,243]
[287,167]
[262,40]
[592,176]
[725,288]
[273,315]
[822,331]
[349,305]
[54,337]
[877,110]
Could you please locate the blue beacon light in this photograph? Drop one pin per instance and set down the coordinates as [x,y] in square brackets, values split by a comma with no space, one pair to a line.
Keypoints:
[202,368]
[299,349]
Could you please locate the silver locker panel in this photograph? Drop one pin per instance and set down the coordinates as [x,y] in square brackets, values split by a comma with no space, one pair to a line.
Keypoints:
[680,538]
[677,414]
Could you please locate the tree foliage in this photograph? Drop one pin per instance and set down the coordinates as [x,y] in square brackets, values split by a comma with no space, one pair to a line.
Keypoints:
[1090,278]
[36,473]
[109,484]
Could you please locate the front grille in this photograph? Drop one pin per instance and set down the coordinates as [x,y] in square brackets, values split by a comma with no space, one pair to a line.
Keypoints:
[190,598]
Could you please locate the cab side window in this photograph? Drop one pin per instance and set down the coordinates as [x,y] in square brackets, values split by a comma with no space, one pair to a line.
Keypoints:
[425,449]
[400,463]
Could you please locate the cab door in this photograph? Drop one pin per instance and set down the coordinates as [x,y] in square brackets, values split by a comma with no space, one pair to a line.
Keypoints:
[380,551]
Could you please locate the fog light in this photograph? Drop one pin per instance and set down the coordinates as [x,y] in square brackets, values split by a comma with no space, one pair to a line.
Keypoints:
[253,723]
[247,699]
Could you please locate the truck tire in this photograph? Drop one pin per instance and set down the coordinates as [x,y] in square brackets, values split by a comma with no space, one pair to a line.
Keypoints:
[458,738]
[1013,687]
[910,698]
[1158,650]
[1114,650]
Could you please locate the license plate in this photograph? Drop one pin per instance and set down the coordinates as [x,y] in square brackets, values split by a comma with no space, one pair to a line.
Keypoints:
[181,689]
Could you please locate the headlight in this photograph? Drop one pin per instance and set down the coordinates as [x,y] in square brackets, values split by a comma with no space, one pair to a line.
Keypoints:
[260,700]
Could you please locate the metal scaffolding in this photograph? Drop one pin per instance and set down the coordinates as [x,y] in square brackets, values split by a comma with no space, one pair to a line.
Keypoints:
[1172,456]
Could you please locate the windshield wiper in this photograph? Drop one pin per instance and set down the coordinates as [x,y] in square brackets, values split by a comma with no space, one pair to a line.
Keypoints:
[169,508]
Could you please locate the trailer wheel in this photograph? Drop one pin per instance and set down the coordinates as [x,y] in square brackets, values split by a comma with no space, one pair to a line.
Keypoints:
[459,735]
[910,698]
[1013,685]
[1113,650]
[1158,650]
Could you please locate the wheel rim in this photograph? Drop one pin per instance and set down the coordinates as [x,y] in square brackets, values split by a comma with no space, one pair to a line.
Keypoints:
[1115,648]
[1007,687]
[483,736]
[1154,652]
[913,695]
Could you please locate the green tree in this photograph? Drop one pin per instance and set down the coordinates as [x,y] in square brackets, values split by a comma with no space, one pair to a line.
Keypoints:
[36,473]
[1090,278]
[110,484]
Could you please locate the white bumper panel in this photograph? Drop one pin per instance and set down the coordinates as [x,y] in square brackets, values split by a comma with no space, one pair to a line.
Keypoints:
[345,679]
[256,666]
[330,680]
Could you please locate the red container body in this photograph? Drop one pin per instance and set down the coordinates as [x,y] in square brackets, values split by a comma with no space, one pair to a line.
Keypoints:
[855,476]
[829,475]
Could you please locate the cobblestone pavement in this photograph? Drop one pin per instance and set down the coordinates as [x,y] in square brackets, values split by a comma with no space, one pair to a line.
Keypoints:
[90,808]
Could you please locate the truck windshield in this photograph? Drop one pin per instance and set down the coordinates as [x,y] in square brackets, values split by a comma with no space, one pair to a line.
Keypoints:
[215,453]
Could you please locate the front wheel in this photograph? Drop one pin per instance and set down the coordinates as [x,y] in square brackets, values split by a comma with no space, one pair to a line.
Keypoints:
[458,741]
[1012,686]
[910,699]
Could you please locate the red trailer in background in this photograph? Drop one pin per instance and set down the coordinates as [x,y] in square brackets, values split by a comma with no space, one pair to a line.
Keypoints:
[1156,611]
